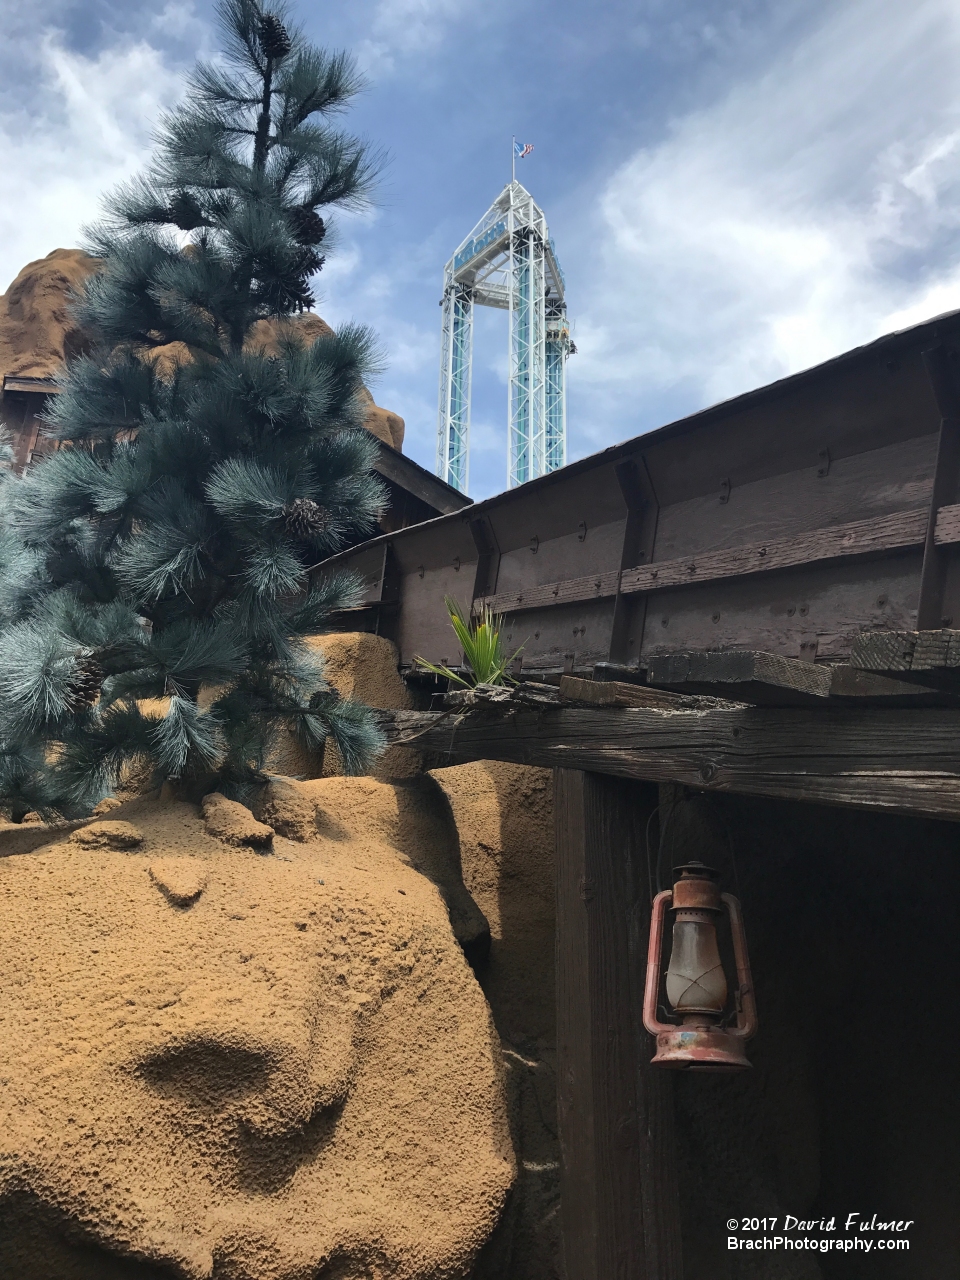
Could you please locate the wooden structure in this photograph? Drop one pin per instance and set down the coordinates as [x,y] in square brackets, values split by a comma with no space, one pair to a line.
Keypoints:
[787,521]
[758,599]
[413,493]
[608,744]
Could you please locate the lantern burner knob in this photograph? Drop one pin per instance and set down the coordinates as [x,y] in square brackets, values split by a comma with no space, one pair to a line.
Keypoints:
[695,870]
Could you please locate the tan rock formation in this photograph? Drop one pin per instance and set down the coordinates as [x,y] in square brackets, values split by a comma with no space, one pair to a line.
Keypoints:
[384,424]
[233,823]
[413,816]
[217,1063]
[366,667]
[38,333]
[504,817]
[363,666]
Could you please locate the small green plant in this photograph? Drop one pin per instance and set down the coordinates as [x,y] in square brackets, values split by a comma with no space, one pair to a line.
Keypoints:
[481,640]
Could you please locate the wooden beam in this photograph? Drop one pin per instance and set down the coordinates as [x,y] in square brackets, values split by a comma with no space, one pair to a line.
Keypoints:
[857,538]
[619,1205]
[931,658]
[766,679]
[423,484]
[836,542]
[612,693]
[904,761]
[869,687]
[32,386]
[593,587]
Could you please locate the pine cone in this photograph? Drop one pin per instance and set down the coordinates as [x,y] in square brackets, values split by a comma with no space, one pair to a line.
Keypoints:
[307,226]
[84,688]
[323,699]
[274,41]
[185,211]
[305,518]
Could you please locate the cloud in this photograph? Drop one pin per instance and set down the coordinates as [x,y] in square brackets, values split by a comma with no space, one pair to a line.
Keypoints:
[76,125]
[405,29]
[813,207]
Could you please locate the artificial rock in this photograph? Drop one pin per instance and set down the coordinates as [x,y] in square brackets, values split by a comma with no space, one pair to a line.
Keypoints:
[221,1064]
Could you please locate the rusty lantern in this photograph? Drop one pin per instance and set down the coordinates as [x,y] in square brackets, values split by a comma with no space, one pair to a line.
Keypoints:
[710,1032]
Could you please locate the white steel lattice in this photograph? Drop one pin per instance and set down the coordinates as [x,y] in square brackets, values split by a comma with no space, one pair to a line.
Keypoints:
[507,261]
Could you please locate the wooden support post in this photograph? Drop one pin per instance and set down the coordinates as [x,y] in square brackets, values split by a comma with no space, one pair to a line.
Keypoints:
[935,595]
[618,1193]
[639,535]
[389,606]
[488,558]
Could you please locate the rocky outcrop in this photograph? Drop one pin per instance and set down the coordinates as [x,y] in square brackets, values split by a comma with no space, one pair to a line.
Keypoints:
[362,666]
[255,1066]
[504,817]
[38,333]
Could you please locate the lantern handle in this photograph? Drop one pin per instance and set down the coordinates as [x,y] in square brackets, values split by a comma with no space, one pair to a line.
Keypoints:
[746,1004]
[652,988]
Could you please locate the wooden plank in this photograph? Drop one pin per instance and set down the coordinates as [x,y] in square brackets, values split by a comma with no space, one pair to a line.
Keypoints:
[837,542]
[904,761]
[613,693]
[856,538]
[619,1203]
[876,482]
[592,587]
[766,679]
[847,681]
[423,484]
[947,527]
[931,658]
[32,386]
[832,603]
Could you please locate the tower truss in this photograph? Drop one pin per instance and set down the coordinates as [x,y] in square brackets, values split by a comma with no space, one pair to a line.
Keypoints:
[507,261]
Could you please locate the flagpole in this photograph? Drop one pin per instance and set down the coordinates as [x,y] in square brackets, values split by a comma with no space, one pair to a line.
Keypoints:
[513,160]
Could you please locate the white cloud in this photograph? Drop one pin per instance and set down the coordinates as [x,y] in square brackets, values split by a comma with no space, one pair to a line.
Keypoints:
[814,207]
[83,124]
[402,29]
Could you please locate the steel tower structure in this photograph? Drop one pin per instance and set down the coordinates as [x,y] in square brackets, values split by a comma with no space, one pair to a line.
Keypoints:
[508,261]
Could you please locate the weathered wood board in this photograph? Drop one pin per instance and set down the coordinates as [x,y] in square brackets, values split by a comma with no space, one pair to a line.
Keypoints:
[619,1203]
[903,761]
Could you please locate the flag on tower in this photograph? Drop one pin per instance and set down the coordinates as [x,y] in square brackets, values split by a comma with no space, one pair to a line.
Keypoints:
[522,152]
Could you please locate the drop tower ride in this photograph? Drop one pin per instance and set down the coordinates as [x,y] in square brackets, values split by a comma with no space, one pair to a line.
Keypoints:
[508,261]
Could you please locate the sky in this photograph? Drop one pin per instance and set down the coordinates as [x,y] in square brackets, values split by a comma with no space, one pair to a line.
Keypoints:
[736,191]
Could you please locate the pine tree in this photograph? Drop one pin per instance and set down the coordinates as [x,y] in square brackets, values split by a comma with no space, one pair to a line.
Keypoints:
[207,460]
